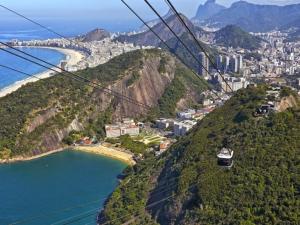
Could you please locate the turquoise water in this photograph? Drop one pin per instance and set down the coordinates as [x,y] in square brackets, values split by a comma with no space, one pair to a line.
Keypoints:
[62,187]
[8,77]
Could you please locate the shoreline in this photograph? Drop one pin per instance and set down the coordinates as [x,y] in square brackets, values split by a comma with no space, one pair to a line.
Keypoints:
[107,152]
[72,57]
[99,150]
[29,158]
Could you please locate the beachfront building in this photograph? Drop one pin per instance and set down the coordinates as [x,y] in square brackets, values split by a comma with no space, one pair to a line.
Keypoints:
[128,126]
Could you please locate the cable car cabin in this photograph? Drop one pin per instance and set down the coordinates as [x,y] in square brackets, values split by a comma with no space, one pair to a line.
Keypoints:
[262,111]
[225,158]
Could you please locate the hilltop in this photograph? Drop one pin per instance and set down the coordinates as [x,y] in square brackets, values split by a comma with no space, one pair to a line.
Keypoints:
[207,10]
[233,36]
[255,18]
[36,118]
[148,38]
[186,186]
[153,22]
[95,35]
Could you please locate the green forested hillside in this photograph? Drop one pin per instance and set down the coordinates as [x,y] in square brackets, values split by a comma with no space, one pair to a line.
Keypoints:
[261,188]
[70,99]
[233,36]
[39,116]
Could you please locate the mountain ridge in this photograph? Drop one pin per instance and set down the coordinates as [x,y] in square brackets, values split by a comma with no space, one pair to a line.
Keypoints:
[148,38]
[256,18]
[95,35]
[234,36]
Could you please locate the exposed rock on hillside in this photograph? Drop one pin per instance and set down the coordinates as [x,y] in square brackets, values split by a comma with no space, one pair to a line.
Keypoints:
[59,105]
[286,103]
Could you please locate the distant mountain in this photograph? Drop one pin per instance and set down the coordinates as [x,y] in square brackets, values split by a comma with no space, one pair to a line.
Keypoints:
[148,38]
[152,23]
[256,18]
[233,36]
[96,35]
[209,9]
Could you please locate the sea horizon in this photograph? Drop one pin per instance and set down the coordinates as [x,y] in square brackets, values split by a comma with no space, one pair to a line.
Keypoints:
[24,31]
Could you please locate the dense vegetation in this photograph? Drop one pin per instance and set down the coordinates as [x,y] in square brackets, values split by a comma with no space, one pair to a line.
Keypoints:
[40,116]
[261,188]
[233,36]
[70,100]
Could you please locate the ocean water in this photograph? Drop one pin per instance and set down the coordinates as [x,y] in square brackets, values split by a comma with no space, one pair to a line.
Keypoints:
[21,29]
[64,187]
[8,77]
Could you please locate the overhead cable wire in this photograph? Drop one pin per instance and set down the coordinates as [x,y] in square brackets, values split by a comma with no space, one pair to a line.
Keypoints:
[72,75]
[147,207]
[179,39]
[196,40]
[167,45]
[62,36]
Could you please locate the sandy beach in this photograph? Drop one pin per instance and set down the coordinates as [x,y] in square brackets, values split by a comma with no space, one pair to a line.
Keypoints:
[109,152]
[99,150]
[28,158]
[72,58]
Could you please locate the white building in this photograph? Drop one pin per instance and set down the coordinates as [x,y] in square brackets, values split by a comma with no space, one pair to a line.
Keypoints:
[181,128]
[127,127]
[234,84]
[186,115]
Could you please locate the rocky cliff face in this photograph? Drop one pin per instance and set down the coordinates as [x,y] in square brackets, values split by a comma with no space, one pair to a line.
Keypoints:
[209,9]
[147,88]
[286,103]
[70,110]
[256,17]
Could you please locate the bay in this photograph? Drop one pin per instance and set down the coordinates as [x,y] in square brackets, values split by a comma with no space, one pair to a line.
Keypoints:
[61,187]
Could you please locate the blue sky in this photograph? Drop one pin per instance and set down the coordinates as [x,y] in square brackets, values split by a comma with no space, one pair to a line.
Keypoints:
[100,12]
[112,9]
